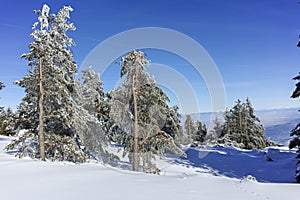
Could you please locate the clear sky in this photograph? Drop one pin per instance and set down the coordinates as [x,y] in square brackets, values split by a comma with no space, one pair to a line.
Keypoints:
[253,43]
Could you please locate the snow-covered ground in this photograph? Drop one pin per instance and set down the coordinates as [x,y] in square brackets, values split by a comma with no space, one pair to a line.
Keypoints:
[206,174]
[276,165]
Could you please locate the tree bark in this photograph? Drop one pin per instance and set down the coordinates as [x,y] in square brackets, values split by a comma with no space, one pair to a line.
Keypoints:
[41,108]
[135,164]
[41,113]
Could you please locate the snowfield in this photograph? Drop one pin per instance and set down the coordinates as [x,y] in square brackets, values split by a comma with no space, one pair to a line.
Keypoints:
[206,174]
[276,165]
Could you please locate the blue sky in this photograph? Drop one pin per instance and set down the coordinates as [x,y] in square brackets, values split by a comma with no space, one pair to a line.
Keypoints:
[253,43]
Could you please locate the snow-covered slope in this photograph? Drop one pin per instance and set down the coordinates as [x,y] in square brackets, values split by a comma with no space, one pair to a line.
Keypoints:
[280,133]
[271,165]
[27,179]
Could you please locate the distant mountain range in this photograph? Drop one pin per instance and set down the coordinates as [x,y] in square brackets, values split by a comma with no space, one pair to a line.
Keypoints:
[277,122]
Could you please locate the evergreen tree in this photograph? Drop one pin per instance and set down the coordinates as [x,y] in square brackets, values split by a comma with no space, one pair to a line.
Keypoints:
[7,122]
[47,106]
[242,128]
[92,92]
[91,116]
[254,128]
[200,134]
[139,108]
[7,119]
[216,132]
[172,122]
[94,96]
[295,142]
[195,133]
[189,126]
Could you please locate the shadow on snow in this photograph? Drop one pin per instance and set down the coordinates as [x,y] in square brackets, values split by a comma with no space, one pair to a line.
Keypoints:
[269,165]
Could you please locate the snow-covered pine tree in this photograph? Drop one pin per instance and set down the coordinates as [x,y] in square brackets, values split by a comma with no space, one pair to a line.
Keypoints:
[172,122]
[139,107]
[255,130]
[94,96]
[242,128]
[216,132]
[233,127]
[295,142]
[200,134]
[189,126]
[7,119]
[91,116]
[48,88]
[7,122]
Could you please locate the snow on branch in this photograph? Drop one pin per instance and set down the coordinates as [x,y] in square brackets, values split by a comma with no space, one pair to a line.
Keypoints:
[43,18]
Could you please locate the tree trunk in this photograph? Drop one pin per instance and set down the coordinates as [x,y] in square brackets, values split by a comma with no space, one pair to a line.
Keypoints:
[135,164]
[41,115]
